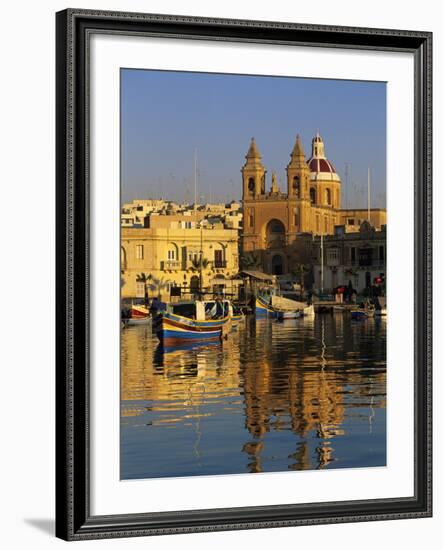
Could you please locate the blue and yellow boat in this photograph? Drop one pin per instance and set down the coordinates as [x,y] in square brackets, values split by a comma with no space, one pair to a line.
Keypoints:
[198,321]
[263,308]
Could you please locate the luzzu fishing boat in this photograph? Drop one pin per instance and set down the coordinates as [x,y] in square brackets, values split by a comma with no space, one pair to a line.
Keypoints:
[263,307]
[200,320]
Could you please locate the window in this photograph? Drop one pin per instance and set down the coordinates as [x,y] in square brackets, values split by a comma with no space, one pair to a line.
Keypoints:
[251,220]
[312,195]
[353,254]
[333,256]
[251,185]
[296,186]
[325,223]
[171,254]
[139,252]
[139,290]
[333,253]
[277,227]
[381,252]
[351,221]
[328,196]
[218,258]
[296,217]
[365,256]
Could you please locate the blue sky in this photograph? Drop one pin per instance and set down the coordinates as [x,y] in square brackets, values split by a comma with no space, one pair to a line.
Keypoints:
[165,116]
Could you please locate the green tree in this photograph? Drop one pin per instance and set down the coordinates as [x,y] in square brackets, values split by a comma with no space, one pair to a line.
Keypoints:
[159,284]
[300,271]
[250,261]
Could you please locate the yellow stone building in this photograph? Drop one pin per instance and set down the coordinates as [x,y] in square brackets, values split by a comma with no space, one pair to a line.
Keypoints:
[167,254]
[311,203]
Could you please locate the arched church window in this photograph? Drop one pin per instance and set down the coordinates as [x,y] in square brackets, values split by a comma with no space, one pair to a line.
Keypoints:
[312,195]
[328,196]
[296,186]
[251,185]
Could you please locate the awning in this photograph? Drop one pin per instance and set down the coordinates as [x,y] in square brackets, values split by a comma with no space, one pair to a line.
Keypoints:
[259,275]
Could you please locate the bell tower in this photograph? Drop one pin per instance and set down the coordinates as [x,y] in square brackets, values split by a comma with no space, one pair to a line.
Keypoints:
[298,173]
[253,173]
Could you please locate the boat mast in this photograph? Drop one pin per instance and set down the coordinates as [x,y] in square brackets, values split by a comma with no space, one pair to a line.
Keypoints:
[201,260]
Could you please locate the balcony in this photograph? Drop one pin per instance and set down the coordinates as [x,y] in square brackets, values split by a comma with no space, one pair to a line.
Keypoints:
[170,265]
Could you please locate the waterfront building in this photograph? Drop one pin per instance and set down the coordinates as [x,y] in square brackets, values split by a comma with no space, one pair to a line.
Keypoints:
[359,257]
[274,220]
[177,251]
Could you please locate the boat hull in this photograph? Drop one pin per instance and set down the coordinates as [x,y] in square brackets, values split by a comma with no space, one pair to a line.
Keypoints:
[174,330]
[135,321]
[262,309]
[284,315]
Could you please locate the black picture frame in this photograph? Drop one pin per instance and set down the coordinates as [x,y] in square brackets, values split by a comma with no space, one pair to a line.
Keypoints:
[74,28]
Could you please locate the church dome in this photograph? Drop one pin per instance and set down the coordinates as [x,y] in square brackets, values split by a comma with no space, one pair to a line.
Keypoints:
[321,165]
[321,168]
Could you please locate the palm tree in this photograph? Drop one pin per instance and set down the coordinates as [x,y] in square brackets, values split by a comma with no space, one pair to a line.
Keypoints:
[300,272]
[250,261]
[198,263]
[159,284]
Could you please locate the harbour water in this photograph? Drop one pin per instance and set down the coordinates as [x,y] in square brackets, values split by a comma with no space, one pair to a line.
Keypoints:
[301,394]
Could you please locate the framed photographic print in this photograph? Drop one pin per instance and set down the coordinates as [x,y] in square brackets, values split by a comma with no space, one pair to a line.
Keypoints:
[239,336]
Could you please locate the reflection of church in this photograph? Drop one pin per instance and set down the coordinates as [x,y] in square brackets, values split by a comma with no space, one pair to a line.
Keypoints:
[273,219]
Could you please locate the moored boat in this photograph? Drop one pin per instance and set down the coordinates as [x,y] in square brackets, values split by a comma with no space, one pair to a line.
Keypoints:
[362,312]
[199,320]
[137,314]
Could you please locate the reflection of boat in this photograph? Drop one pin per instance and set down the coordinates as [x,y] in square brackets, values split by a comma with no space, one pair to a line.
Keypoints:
[283,315]
[188,345]
[237,316]
[200,320]
[380,306]
[137,314]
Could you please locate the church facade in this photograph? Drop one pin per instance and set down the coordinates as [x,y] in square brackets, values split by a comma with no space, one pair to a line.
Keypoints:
[276,222]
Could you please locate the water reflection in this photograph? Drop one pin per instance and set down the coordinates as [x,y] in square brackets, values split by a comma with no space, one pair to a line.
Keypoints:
[302,394]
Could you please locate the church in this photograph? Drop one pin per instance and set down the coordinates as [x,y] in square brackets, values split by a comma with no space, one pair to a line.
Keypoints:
[276,223]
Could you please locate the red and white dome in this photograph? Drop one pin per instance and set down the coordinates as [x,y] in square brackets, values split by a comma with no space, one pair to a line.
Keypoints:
[321,168]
